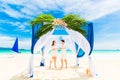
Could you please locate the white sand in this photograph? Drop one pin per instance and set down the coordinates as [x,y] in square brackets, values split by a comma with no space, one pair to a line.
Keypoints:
[11,65]
[107,67]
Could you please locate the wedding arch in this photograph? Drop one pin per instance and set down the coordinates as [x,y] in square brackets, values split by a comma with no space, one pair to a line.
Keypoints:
[76,31]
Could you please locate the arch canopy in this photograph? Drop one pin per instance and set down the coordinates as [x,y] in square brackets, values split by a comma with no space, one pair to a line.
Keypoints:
[74,40]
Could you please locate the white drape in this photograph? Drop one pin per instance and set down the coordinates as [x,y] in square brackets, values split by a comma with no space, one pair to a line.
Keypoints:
[31,65]
[82,43]
[73,36]
[80,40]
[42,41]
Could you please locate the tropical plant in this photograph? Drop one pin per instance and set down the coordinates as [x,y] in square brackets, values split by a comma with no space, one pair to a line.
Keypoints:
[75,22]
[72,21]
[46,20]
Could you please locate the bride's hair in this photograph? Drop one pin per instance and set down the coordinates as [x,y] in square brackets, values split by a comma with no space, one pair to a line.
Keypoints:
[53,43]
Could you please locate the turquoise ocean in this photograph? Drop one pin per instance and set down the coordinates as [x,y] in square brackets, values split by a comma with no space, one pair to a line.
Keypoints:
[24,51]
[9,51]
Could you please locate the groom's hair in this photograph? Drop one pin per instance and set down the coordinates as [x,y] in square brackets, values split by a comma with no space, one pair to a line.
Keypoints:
[63,41]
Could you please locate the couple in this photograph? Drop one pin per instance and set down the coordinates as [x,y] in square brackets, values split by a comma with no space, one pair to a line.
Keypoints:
[62,55]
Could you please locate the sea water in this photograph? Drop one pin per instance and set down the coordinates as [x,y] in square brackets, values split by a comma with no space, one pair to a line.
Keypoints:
[9,51]
[106,51]
[24,51]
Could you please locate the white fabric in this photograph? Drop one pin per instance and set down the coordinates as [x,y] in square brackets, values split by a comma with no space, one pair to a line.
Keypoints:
[73,36]
[91,66]
[80,40]
[41,42]
[31,65]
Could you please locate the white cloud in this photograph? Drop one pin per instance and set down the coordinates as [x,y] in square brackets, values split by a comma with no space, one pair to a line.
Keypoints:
[21,25]
[107,40]
[5,38]
[27,11]
[4,22]
[93,10]
[7,41]
[11,12]
[25,43]
[14,23]
[103,8]
[87,8]
[90,9]
[10,22]
[109,44]
[27,31]
[23,28]
[17,2]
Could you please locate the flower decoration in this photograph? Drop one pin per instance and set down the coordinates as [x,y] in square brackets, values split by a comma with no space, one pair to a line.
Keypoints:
[59,22]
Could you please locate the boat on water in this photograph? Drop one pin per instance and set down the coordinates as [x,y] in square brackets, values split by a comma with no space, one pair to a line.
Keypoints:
[15,47]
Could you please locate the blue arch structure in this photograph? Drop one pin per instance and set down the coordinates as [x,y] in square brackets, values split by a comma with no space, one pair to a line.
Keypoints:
[34,39]
[90,37]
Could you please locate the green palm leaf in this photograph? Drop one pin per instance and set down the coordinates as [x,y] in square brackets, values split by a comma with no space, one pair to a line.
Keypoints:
[42,19]
[46,20]
[43,30]
[75,22]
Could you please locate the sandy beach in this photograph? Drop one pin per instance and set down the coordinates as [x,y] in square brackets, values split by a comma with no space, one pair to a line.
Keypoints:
[15,67]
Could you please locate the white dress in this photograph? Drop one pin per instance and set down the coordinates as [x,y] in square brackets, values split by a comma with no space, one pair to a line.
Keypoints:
[54,51]
[63,52]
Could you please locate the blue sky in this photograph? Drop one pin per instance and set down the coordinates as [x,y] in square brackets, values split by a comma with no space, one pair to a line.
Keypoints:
[15,16]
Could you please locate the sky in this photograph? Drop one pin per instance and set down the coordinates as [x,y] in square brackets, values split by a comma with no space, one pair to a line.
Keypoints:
[15,16]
